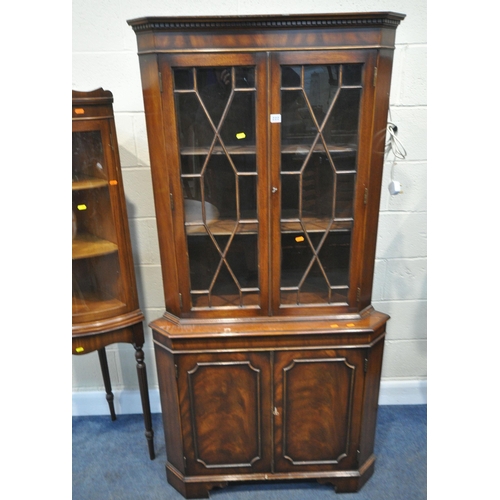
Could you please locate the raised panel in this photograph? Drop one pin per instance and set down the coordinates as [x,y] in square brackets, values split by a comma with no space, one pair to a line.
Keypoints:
[317,394]
[317,422]
[223,398]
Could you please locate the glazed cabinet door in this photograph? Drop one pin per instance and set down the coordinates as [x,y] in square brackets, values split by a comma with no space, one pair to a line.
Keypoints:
[213,105]
[225,407]
[97,249]
[317,409]
[320,130]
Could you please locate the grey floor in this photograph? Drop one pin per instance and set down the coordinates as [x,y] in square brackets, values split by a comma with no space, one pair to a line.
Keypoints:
[111,461]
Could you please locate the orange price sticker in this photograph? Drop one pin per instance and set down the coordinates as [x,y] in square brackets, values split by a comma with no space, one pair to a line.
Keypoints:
[79,111]
[113,182]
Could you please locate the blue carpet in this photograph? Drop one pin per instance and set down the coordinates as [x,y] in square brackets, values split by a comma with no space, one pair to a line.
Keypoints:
[111,461]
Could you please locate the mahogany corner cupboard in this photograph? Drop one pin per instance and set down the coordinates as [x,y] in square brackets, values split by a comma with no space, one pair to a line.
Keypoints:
[266,138]
[104,294]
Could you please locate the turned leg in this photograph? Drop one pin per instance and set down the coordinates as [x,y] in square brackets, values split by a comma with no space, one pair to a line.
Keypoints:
[103,360]
[146,408]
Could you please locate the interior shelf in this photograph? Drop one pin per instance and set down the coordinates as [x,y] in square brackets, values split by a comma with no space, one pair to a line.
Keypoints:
[313,225]
[93,304]
[88,245]
[88,183]
[286,149]
[226,226]
[218,150]
[318,148]
[221,227]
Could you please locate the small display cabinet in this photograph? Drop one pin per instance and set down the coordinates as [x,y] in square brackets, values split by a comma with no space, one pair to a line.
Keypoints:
[105,303]
[266,136]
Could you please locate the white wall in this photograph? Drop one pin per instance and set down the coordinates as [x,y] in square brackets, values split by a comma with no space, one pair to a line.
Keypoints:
[105,55]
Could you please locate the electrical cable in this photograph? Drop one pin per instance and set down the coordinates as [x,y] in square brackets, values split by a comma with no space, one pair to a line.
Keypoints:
[395,146]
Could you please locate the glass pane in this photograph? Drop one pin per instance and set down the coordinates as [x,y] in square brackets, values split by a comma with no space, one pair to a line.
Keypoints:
[317,187]
[245,77]
[96,270]
[183,79]
[342,126]
[344,201]
[192,163]
[219,177]
[195,130]
[248,197]
[320,86]
[223,269]
[334,257]
[315,267]
[291,76]
[352,74]
[290,196]
[220,186]
[88,156]
[320,120]
[297,124]
[238,128]
[214,88]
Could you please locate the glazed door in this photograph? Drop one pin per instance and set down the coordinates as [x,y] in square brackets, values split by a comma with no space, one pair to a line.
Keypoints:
[317,409]
[97,291]
[218,179]
[226,410]
[320,152]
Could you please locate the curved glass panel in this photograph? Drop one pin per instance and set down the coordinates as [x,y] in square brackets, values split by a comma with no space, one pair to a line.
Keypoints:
[96,291]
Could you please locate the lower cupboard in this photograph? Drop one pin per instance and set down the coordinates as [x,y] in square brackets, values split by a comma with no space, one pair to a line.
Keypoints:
[271,410]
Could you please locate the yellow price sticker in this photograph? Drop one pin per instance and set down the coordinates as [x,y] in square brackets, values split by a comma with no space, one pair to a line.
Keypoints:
[82,207]
[79,349]
[240,135]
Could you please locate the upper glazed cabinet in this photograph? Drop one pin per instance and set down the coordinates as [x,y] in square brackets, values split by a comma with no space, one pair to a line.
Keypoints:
[103,278]
[273,164]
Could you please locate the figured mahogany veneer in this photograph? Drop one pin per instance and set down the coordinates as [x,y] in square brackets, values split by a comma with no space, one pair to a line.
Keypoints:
[269,353]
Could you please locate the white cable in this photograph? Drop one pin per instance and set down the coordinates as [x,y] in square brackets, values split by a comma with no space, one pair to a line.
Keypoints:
[395,146]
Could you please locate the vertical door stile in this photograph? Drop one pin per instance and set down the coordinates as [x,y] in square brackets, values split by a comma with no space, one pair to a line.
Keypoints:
[363,177]
[274,177]
[172,191]
[263,168]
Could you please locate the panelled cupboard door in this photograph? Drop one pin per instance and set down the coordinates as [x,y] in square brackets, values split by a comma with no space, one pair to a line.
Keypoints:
[320,153]
[317,408]
[212,106]
[226,412]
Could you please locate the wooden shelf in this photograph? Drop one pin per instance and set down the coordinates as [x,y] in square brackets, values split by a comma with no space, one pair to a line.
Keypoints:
[312,225]
[319,148]
[94,304]
[221,227]
[226,226]
[88,245]
[90,183]
[251,149]
[234,150]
